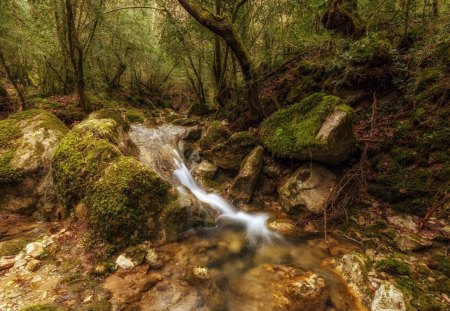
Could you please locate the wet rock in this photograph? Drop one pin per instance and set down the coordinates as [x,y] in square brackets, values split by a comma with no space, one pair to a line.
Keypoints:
[34,249]
[310,186]
[410,243]
[279,287]
[33,265]
[6,263]
[216,133]
[124,262]
[283,227]
[185,148]
[192,134]
[318,128]
[205,169]
[245,182]
[403,222]
[229,154]
[153,259]
[388,298]
[28,141]
[351,291]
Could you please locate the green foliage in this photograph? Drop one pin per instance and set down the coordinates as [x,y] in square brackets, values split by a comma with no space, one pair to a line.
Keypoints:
[290,132]
[123,198]
[134,116]
[12,247]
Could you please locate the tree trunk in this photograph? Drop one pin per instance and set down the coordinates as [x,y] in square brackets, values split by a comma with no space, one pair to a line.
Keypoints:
[224,28]
[435,8]
[22,103]
[76,55]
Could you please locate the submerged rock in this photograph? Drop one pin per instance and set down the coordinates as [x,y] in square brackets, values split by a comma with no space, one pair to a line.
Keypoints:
[229,154]
[245,182]
[310,186]
[351,291]
[279,287]
[27,143]
[317,128]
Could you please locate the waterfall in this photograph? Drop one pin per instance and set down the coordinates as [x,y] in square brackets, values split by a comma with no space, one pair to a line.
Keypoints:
[158,150]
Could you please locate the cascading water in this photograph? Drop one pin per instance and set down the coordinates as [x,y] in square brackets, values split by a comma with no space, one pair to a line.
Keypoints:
[158,150]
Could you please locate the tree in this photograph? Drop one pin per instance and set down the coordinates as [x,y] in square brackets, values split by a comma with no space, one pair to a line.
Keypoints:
[223,27]
[22,104]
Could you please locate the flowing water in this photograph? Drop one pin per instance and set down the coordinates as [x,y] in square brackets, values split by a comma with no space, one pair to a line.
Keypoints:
[246,268]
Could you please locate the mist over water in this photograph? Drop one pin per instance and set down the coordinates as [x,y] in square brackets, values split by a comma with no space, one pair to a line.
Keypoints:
[158,150]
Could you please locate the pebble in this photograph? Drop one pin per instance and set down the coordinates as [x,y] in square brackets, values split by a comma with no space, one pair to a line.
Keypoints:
[33,265]
[152,259]
[124,262]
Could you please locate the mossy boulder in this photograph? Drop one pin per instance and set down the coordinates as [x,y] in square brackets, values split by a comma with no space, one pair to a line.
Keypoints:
[111,113]
[216,133]
[317,128]
[134,116]
[121,197]
[126,200]
[27,143]
[371,51]
[229,154]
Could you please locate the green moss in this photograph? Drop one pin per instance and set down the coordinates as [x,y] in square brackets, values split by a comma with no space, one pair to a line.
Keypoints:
[134,116]
[102,305]
[111,113]
[215,133]
[41,307]
[123,199]
[136,254]
[442,264]
[393,266]
[78,161]
[372,50]
[12,247]
[291,132]
[8,174]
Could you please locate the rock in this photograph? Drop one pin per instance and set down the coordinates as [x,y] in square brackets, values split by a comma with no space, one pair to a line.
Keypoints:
[403,222]
[310,186]
[122,197]
[279,287]
[199,274]
[6,263]
[33,265]
[28,141]
[185,148]
[244,183]
[283,227]
[152,259]
[20,263]
[229,154]
[318,128]
[136,253]
[124,262]
[192,134]
[388,298]
[410,243]
[34,249]
[216,133]
[205,169]
[352,291]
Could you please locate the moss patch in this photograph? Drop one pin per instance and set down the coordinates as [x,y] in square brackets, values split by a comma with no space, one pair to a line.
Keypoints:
[134,116]
[12,247]
[41,307]
[114,114]
[216,133]
[292,131]
[393,266]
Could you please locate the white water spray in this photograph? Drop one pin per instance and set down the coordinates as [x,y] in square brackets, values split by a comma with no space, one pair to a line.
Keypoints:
[154,144]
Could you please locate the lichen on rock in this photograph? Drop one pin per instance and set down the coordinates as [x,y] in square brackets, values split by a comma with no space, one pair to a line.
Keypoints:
[317,128]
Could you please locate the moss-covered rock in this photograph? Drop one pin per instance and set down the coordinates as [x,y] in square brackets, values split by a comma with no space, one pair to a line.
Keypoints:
[216,133]
[111,113]
[12,247]
[68,112]
[198,109]
[41,307]
[27,143]
[123,200]
[393,266]
[317,128]
[229,154]
[134,116]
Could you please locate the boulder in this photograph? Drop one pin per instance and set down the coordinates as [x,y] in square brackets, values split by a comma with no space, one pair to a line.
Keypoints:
[205,169]
[122,197]
[34,249]
[351,290]
[388,298]
[310,186]
[317,128]
[216,133]
[244,183]
[229,154]
[27,143]
[279,287]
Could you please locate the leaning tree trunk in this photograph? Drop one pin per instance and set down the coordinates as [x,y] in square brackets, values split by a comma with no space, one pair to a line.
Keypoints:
[224,28]
[22,103]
